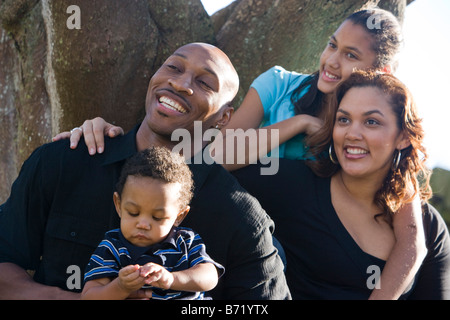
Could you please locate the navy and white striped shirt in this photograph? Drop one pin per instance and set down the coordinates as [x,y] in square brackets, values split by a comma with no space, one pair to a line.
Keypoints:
[181,250]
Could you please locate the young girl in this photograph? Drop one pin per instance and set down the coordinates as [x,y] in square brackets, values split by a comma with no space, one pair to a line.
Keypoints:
[294,106]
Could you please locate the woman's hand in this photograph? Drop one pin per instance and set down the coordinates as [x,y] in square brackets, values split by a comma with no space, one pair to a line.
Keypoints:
[94,131]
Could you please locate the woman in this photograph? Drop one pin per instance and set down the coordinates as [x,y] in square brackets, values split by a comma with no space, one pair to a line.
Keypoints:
[291,104]
[339,234]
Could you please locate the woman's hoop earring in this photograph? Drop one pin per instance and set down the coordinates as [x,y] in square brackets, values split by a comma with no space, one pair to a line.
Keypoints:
[330,153]
[396,161]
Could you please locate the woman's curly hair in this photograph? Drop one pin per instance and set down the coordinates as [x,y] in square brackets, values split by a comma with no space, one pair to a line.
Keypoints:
[407,180]
[161,164]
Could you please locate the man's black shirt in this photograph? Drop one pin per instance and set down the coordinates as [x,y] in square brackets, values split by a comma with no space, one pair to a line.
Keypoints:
[61,206]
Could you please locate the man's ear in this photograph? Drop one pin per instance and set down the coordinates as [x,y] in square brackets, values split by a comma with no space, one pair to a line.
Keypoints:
[116,199]
[183,213]
[226,114]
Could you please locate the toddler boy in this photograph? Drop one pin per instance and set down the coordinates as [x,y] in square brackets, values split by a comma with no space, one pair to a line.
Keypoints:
[150,249]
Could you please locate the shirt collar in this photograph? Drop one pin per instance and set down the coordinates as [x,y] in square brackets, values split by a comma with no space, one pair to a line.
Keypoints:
[200,171]
[123,147]
[135,251]
[120,148]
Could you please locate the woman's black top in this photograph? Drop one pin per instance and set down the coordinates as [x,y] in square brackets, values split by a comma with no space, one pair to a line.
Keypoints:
[323,260]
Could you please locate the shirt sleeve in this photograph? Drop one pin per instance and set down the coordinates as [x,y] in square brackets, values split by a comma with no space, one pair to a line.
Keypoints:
[197,254]
[254,269]
[433,278]
[269,85]
[23,215]
[238,234]
[104,262]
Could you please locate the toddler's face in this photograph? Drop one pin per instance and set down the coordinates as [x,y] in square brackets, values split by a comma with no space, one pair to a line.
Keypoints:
[148,209]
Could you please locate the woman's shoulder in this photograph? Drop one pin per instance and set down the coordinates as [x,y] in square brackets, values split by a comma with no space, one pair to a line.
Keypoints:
[436,230]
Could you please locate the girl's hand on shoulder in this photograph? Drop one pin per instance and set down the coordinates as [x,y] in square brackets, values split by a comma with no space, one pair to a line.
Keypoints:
[94,131]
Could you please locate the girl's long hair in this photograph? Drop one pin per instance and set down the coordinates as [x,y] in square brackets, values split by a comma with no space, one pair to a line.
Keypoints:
[386,34]
[411,177]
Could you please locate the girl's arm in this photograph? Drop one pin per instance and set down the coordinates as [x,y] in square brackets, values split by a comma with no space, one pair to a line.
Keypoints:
[94,131]
[249,116]
[407,254]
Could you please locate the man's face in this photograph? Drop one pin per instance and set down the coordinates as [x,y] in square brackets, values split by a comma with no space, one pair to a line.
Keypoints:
[192,85]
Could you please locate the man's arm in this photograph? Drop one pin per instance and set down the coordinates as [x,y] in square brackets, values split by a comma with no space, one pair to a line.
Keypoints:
[17,284]
[255,271]
[238,234]
[21,223]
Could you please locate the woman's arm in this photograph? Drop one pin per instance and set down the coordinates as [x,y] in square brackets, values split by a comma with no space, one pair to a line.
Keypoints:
[406,256]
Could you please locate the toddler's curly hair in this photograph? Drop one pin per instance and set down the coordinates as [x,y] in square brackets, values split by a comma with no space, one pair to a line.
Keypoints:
[162,164]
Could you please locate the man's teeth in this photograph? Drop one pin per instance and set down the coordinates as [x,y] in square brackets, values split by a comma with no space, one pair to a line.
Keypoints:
[356,151]
[170,104]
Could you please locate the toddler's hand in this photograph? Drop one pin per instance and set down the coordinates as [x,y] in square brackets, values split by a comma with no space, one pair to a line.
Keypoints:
[156,276]
[130,279]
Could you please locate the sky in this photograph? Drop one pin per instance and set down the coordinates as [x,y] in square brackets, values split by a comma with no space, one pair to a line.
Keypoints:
[424,68]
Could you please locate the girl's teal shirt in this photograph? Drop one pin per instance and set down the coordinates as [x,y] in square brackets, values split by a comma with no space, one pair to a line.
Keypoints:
[275,88]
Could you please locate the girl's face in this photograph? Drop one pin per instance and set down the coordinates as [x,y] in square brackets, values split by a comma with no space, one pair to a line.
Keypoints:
[349,48]
[366,133]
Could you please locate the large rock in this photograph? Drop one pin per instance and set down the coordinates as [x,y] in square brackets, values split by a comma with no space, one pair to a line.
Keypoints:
[53,75]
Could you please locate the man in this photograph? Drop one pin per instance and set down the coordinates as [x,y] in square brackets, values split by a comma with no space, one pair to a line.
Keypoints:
[60,205]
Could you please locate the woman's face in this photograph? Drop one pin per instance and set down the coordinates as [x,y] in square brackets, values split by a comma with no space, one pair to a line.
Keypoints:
[366,133]
[349,48]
